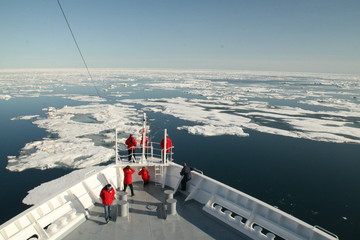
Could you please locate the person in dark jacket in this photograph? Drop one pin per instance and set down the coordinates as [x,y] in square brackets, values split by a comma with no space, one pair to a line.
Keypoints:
[128,172]
[107,196]
[186,173]
[131,146]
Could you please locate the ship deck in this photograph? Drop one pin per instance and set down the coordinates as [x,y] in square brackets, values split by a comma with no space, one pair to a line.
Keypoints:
[147,219]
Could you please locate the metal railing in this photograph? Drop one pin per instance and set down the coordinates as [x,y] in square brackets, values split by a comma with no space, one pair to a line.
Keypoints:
[249,215]
[327,231]
[153,152]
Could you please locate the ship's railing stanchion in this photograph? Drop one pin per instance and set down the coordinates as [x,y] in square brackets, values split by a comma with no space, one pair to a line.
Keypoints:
[164,152]
[151,150]
[116,147]
[144,144]
[171,154]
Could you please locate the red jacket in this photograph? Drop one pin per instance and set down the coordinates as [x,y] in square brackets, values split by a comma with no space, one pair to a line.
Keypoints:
[107,196]
[146,142]
[145,175]
[168,144]
[128,175]
[131,142]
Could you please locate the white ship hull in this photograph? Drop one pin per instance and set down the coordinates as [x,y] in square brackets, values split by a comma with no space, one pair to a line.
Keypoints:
[60,215]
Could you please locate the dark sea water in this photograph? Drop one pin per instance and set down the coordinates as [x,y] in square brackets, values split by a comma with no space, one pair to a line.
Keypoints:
[317,182]
[14,135]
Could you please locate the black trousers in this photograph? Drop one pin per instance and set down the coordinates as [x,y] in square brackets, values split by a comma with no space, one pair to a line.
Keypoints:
[183,183]
[131,188]
[131,153]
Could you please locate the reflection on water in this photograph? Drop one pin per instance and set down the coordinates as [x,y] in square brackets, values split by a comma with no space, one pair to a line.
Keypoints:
[84,118]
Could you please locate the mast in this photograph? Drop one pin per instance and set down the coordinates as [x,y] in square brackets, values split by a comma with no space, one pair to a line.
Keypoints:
[144,130]
[116,146]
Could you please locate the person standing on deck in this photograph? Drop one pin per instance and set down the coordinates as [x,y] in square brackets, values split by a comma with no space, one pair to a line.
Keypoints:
[145,145]
[186,173]
[131,146]
[145,175]
[128,172]
[169,145]
[107,196]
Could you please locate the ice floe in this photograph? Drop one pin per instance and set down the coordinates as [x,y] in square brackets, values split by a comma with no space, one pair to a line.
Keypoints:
[5,97]
[75,145]
[28,117]
[227,117]
[319,107]
[85,98]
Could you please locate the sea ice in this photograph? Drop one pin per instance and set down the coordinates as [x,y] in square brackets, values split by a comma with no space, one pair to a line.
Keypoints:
[74,148]
[5,97]
[227,117]
[223,102]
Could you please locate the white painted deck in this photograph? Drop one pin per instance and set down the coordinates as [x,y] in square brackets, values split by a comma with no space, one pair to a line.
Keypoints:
[147,220]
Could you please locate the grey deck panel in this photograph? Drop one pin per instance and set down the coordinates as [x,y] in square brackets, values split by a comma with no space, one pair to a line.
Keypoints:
[147,220]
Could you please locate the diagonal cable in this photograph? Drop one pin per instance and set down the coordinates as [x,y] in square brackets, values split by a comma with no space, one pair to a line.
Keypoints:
[77,45]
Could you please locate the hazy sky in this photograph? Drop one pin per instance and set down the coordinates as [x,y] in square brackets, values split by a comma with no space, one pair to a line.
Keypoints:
[281,35]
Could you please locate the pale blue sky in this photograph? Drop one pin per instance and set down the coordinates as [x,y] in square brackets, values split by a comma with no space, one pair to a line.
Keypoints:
[280,35]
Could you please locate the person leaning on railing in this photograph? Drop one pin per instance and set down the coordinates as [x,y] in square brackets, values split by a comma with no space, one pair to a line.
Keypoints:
[169,145]
[131,145]
[186,173]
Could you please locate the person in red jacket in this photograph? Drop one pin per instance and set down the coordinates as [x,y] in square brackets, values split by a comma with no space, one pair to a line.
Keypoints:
[107,196]
[146,143]
[131,146]
[169,145]
[128,172]
[145,175]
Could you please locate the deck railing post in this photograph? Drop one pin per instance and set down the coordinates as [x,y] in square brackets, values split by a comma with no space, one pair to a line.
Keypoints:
[116,147]
[165,147]
[171,153]
[152,150]
[144,142]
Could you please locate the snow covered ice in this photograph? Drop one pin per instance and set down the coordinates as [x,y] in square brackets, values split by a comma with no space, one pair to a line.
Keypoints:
[75,147]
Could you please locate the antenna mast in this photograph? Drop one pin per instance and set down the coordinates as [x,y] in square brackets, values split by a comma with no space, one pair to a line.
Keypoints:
[144,142]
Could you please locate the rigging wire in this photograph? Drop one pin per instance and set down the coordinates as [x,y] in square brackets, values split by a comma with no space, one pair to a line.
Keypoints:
[78,48]
[82,57]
